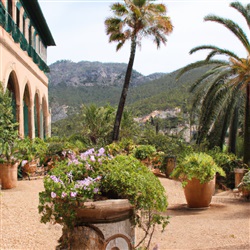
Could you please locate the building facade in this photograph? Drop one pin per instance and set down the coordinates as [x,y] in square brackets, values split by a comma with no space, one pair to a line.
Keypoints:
[24,38]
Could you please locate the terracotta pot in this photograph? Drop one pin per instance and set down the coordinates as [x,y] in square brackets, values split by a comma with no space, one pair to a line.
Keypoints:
[104,211]
[103,225]
[238,173]
[8,175]
[30,167]
[199,195]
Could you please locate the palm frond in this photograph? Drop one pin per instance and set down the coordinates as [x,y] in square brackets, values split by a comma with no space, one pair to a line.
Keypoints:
[119,9]
[213,75]
[233,27]
[198,64]
[245,11]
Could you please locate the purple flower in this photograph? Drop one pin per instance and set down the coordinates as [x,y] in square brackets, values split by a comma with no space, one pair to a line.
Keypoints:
[92,158]
[64,194]
[24,162]
[53,195]
[83,156]
[101,152]
[84,183]
[73,194]
[88,166]
[96,190]
[56,179]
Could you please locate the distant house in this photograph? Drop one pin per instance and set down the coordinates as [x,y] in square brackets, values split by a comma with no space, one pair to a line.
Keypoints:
[24,38]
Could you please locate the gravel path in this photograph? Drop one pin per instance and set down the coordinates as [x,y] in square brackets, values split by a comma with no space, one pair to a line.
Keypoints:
[225,225]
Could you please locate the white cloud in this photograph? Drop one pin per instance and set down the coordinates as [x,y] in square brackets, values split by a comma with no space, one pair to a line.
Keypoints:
[79,32]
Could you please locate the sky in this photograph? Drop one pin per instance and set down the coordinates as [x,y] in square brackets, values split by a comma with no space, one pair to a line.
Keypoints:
[77,27]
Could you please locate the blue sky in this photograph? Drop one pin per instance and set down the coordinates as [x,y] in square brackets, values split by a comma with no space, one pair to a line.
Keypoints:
[79,32]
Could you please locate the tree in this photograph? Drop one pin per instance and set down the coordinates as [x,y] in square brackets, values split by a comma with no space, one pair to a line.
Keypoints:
[222,89]
[97,123]
[133,20]
[8,127]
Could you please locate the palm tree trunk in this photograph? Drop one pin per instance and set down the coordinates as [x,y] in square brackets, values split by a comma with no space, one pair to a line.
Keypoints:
[233,131]
[124,93]
[246,157]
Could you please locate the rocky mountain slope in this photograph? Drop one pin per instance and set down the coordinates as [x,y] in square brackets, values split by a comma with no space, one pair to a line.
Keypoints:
[72,84]
[86,73]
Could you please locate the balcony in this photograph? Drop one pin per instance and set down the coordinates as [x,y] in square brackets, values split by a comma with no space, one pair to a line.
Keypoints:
[9,25]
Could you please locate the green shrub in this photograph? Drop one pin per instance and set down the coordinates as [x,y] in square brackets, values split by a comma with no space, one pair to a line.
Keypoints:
[197,165]
[8,129]
[228,162]
[94,175]
[143,152]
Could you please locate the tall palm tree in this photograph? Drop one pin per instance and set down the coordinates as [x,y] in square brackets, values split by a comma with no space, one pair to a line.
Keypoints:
[226,86]
[133,20]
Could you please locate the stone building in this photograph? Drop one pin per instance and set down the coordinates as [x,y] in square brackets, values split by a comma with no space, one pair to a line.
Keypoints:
[24,38]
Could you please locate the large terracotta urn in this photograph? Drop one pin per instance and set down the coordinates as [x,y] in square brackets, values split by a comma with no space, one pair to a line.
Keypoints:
[199,195]
[8,175]
[103,225]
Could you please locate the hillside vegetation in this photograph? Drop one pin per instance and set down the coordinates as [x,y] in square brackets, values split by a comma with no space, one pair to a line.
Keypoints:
[73,84]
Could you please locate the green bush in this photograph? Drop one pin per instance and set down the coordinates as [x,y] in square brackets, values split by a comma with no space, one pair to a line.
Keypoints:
[143,152]
[228,162]
[197,165]
[8,129]
[95,175]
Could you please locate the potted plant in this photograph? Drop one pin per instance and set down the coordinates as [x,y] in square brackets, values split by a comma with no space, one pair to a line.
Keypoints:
[197,172]
[8,140]
[244,185]
[75,185]
[233,167]
[33,152]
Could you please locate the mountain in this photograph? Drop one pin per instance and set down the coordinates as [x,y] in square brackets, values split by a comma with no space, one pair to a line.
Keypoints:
[89,74]
[72,85]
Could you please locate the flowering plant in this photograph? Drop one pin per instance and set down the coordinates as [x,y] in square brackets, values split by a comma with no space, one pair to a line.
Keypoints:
[93,175]
[72,181]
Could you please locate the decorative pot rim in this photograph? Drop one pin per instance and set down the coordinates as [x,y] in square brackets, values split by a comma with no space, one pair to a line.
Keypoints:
[104,211]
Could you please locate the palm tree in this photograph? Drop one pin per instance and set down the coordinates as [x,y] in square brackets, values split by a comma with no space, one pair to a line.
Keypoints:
[222,89]
[133,20]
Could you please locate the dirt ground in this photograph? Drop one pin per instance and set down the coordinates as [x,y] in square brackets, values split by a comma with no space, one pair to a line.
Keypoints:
[225,225]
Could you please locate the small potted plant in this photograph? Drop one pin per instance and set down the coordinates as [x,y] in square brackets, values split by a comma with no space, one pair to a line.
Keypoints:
[9,157]
[244,185]
[197,173]
[77,186]
[33,151]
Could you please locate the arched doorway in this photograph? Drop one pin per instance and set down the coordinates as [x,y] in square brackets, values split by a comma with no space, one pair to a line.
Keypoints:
[13,88]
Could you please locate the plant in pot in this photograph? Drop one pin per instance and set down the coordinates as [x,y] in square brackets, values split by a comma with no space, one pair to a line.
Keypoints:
[77,186]
[232,165]
[197,173]
[244,185]
[8,139]
[33,152]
